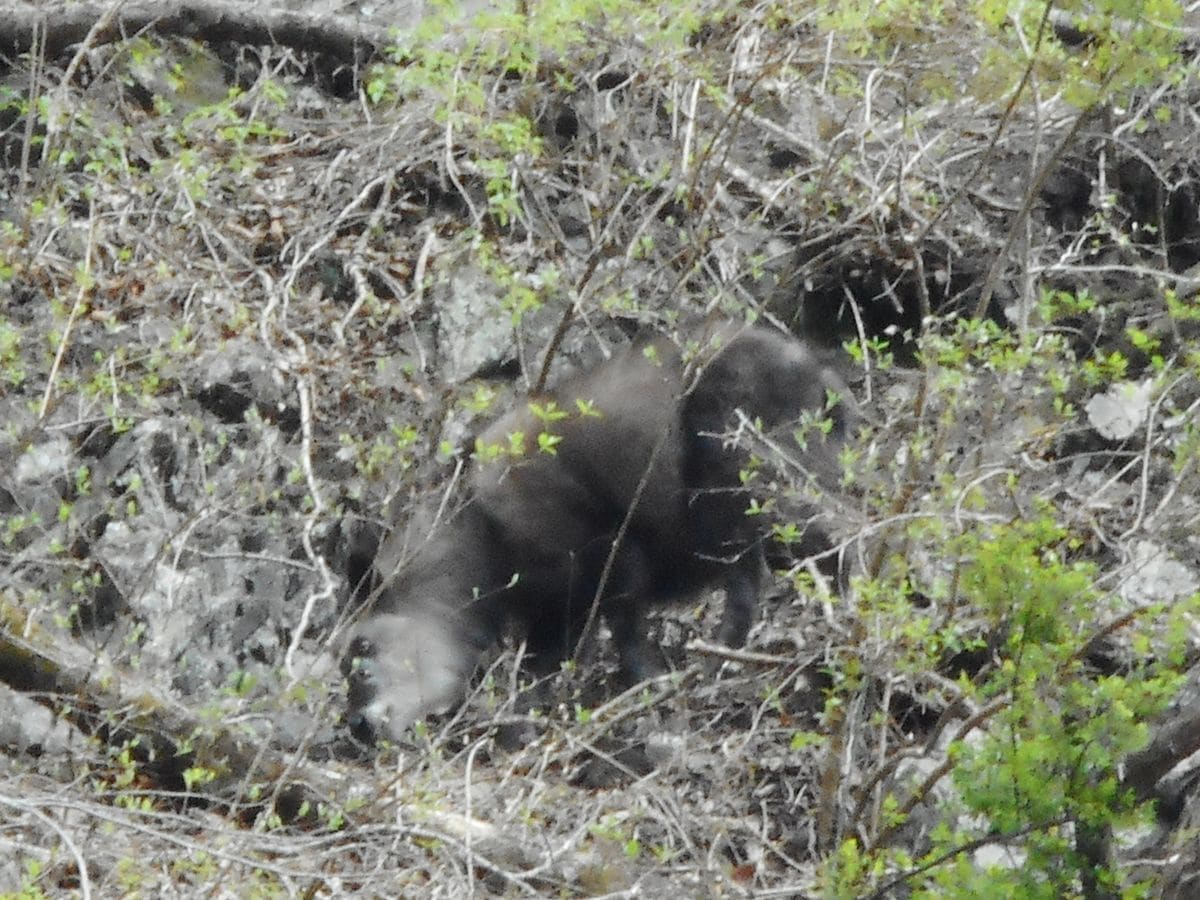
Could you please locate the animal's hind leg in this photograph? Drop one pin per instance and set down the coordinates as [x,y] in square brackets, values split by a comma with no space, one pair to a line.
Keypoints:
[813,543]
[743,588]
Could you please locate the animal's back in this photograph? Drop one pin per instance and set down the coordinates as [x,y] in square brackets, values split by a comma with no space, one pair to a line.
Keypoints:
[620,432]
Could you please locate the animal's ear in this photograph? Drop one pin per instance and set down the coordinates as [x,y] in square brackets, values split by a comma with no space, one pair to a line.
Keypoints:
[630,327]
[361,647]
[360,542]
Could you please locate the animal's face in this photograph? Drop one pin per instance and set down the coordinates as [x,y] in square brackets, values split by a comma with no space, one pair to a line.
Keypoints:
[401,668]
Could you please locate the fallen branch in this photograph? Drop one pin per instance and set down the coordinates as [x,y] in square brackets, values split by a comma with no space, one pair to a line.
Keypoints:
[212,22]
[164,737]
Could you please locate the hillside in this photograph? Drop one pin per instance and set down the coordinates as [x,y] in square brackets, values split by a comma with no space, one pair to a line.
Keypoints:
[264,274]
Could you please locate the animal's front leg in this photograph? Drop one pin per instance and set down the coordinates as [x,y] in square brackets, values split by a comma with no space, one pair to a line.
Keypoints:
[625,603]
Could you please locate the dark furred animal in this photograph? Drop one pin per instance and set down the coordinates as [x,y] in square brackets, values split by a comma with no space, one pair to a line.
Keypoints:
[639,502]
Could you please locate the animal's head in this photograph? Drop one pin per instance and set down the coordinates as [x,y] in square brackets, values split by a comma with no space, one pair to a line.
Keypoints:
[819,418]
[774,378]
[401,668]
[789,379]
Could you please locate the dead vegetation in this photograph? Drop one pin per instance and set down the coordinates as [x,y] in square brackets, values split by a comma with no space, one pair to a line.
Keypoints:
[239,330]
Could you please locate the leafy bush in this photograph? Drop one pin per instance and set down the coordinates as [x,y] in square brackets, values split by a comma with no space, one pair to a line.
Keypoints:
[984,603]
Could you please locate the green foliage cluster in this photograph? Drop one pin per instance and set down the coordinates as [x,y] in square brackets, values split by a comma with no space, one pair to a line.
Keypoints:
[1090,51]
[487,74]
[1044,768]
[1005,579]
[29,888]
